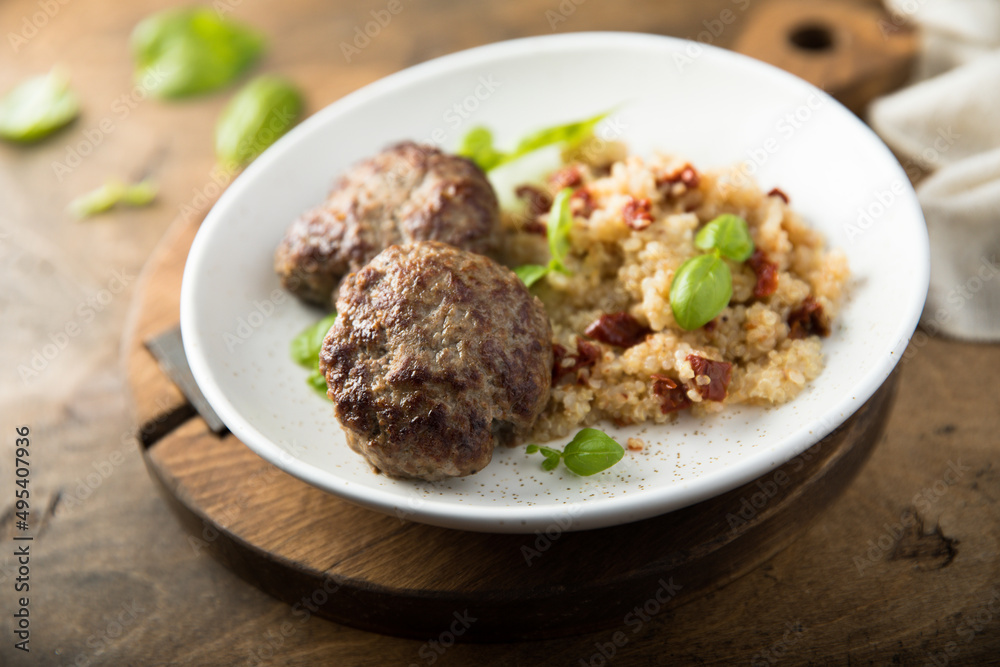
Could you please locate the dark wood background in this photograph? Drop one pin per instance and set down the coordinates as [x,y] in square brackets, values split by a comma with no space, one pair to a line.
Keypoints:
[115,580]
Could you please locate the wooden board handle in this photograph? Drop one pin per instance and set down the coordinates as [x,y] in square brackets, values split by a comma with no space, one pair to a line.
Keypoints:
[854,52]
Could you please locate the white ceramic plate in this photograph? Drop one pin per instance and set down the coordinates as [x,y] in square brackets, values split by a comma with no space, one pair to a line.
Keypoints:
[712,106]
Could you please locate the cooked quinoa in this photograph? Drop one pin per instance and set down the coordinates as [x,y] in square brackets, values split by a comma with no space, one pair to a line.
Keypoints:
[634,225]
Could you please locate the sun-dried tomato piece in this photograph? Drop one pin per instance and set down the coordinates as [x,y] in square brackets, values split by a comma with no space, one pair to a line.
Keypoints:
[766,272]
[538,200]
[567,177]
[687,175]
[719,374]
[582,203]
[778,192]
[672,395]
[637,214]
[586,355]
[618,329]
[808,319]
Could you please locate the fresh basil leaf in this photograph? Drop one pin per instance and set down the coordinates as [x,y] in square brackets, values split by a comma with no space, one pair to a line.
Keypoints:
[592,451]
[180,52]
[317,381]
[255,118]
[588,453]
[729,234]
[570,134]
[477,145]
[37,107]
[558,229]
[700,290]
[305,349]
[110,194]
[531,273]
[550,452]
[306,346]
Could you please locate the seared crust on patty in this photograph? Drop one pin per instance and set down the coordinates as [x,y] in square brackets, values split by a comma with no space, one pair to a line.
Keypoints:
[437,354]
[408,192]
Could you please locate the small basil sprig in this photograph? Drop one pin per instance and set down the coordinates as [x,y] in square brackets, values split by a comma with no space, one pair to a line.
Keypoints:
[729,235]
[558,229]
[255,118]
[111,194]
[305,349]
[703,285]
[37,107]
[588,453]
[477,145]
[180,52]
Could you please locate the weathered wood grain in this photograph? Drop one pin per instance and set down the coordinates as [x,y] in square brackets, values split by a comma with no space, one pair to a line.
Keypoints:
[115,580]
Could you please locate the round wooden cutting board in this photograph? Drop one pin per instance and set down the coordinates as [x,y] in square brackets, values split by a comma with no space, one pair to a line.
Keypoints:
[326,556]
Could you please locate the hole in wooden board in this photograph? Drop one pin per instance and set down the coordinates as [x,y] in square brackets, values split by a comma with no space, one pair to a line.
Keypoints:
[812,37]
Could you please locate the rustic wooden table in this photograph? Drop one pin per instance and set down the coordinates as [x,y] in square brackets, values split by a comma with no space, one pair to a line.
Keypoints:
[904,568]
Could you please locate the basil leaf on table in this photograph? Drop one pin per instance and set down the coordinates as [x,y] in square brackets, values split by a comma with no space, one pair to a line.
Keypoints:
[305,348]
[38,107]
[180,52]
[729,234]
[111,194]
[700,290]
[588,453]
[260,113]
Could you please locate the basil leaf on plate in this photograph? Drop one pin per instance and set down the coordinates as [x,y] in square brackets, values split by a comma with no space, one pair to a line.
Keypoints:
[728,234]
[305,348]
[38,107]
[558,229]
[531,273]
[570,134]
[477,145]
[588,453]
[700,290]
[592,451]
[260,113]
[180,52]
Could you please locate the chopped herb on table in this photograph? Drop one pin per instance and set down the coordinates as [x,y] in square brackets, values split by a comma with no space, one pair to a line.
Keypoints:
[589,452]
[111,194]
[181,52]
[260,113]
[37,107]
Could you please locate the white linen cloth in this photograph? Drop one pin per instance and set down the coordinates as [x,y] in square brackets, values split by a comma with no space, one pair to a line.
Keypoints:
[948,123]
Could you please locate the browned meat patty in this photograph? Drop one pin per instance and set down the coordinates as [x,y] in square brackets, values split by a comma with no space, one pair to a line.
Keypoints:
[408,192]
[437,354]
